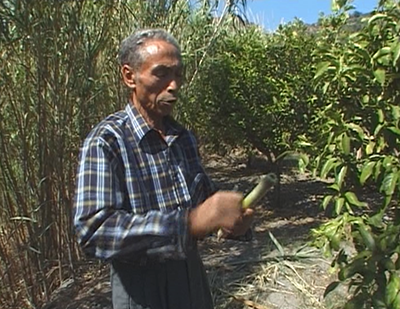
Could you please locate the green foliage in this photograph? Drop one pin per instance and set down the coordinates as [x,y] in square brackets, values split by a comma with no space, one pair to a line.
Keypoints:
[254,90]
[358,75]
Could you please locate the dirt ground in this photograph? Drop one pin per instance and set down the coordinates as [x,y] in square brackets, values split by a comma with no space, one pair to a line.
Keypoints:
[276,269]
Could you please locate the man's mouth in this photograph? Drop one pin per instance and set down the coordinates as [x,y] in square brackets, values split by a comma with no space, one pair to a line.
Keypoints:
[168,102]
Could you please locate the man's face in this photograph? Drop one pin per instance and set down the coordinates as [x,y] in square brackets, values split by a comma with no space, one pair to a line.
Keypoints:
[157,82]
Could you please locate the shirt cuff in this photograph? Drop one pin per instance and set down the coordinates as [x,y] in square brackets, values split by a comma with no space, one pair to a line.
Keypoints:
[180,240]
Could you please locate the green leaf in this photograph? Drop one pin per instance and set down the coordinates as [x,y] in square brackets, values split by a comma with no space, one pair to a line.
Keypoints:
[386,201]
[396,53]
[277,244]
[389,183]
[378,129]
[367,237]
[358,129]
[303,162]
[325,87]
[331,287]
[396,302]
[341,175]
[387,262]
[329,229]
[382,52]
[376,17]
[352,199]
[345,144]
[394,130]
[367,171]
[380,144]
[329,164]
[395,112]
[361,51]
[334,186]
[376,220]
[369,149]
[392,289]
[326,201]
[336,5]
[321,69]
[378,170]
[339,205]
[365,99]
[380,75]
[383,56]
[381,115]
[387,162]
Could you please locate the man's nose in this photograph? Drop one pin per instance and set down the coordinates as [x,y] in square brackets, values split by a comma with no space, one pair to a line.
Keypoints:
[174,85]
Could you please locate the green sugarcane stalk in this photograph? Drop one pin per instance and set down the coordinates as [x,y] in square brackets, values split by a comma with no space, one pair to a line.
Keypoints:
[267,182]
[259,191]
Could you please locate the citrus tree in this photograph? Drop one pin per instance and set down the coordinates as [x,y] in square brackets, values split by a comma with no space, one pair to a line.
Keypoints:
[255,92]
[358,74]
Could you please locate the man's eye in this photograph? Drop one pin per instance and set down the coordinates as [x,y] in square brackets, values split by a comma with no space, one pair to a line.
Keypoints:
[162,73]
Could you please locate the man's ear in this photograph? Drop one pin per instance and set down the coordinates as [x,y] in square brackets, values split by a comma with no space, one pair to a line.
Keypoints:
[128,75]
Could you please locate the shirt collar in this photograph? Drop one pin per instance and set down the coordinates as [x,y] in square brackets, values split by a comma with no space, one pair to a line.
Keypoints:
[141,128]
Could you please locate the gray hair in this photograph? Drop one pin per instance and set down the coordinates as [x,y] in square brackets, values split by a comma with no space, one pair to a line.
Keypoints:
[130,51]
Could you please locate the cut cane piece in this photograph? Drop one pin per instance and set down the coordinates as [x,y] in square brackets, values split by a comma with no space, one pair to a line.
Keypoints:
[255,195]
[259,191]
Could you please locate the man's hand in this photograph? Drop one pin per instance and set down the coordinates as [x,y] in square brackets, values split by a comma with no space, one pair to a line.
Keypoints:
[222,210]
[242,227]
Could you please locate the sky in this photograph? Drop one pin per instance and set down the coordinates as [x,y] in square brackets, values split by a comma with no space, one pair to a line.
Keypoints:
[271,13]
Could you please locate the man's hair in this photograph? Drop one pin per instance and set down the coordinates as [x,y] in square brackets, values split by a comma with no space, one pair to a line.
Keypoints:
[131,52]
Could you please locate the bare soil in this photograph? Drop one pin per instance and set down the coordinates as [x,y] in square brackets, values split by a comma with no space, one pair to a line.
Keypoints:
[276,269]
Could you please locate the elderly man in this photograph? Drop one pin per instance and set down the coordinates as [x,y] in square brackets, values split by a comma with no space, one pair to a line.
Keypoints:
[142,197]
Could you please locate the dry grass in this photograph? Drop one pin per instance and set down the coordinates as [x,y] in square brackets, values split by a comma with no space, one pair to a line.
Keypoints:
[292,281]
[277,269]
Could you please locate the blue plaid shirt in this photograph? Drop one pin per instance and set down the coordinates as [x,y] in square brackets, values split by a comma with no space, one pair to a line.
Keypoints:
[134,188]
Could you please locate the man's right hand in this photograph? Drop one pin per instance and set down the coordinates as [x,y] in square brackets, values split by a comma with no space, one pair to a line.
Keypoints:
[221,210]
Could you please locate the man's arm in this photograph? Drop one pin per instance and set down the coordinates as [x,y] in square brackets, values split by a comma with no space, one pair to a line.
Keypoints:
[105,228]
[219,209]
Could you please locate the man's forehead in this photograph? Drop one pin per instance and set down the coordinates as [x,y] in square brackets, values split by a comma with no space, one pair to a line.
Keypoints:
[155,47]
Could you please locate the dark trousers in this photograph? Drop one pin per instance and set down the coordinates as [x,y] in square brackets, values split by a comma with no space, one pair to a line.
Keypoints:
[172,284]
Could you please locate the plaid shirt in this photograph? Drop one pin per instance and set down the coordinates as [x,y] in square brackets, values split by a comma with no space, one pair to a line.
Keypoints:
[134,188]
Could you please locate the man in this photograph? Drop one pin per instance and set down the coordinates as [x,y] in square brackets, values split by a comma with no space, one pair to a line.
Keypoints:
[142,196]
